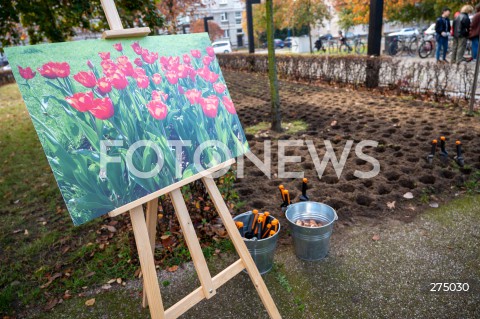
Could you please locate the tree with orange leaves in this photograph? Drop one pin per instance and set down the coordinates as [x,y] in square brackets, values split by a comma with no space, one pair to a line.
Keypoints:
[172,10]
[214,30]
[357,12]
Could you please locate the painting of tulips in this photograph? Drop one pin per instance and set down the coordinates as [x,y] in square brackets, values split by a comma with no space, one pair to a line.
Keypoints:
[121,119]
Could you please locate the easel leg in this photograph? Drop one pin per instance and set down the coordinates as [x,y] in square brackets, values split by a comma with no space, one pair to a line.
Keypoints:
[240,247]
[193,244]
[151,216]
[144,248]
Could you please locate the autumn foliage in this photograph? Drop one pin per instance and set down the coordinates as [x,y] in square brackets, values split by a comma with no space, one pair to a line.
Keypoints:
[357,12]
[214,30]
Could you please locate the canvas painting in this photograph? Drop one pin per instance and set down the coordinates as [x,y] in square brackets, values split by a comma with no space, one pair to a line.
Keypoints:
[121,119]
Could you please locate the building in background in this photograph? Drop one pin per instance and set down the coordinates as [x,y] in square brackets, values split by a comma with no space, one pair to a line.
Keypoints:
[228,15]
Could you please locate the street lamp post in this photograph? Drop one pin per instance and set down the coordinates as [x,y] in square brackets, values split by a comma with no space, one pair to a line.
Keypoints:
[205,23]
[251,43]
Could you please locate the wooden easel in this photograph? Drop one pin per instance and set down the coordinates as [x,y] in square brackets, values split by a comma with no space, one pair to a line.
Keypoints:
[144,227]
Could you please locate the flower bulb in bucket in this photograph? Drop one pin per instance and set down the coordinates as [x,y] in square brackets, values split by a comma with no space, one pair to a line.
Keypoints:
[311,236]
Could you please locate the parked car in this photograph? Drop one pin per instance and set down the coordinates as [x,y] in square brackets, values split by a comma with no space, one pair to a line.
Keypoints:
[327,36]
[406,32]
[430,30]
[288,42]
[222,46]
[3,60]
[279,43]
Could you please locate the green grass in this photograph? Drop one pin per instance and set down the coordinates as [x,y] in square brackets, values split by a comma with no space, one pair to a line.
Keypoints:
[289,127]
[37,236]
[35,227]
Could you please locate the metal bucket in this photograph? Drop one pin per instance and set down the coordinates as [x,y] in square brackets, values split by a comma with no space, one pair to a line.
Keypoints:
[261,250]
[311,243]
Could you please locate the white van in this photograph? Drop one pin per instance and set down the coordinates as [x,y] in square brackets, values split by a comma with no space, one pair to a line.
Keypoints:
[222,46]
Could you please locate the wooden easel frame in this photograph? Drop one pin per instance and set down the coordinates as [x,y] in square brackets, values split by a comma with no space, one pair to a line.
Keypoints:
[144,227]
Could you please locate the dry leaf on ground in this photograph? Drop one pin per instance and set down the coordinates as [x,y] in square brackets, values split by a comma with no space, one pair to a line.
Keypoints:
[52,303]
[391,205]
[172,269]
[90,302]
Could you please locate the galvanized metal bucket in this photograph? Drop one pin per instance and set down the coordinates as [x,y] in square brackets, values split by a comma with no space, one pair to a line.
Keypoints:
[261,250]
[311,243]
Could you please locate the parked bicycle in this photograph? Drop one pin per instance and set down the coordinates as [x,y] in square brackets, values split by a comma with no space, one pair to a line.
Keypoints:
[401,45]
[426,47]
[359,45]
[428,44]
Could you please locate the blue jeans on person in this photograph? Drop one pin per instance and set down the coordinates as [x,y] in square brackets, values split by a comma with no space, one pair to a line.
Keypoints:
[442,42]
[474,48]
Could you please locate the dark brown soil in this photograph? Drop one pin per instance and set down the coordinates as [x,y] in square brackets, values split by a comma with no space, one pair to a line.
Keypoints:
[404,129]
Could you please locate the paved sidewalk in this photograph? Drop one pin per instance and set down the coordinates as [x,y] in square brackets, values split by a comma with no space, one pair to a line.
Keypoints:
[361,278]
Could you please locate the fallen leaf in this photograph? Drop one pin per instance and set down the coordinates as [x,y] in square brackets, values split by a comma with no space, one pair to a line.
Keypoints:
[376,237]
[111,229]
[137,272]
[50,280]
[434,205]
[408,195]
[172,269]
[333,123]
[26,232]
[164,237]
[106,287]
[111,281]
[119,280]
[90,302]
[52,303]
[391,205]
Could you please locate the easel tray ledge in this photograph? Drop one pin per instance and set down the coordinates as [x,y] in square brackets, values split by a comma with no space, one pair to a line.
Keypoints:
[168,189]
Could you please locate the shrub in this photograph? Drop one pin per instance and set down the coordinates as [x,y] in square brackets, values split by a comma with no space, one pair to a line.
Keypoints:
[402,76]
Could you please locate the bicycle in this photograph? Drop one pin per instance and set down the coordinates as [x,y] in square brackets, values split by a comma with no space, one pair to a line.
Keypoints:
[427,46]
[332,46]
[345,46]
[401,44]
[359,45]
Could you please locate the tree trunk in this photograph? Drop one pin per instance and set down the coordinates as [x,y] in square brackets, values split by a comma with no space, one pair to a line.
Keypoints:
[310,38]
[474,85]
[374,43]
[272,71]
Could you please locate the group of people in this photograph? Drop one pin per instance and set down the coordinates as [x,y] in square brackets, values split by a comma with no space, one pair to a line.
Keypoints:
[462,29]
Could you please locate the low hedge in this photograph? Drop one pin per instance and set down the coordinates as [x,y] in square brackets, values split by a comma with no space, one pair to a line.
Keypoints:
[405,75]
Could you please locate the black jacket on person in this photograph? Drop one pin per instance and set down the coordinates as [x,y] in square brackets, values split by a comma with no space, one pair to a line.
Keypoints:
[442,25]
[461,26]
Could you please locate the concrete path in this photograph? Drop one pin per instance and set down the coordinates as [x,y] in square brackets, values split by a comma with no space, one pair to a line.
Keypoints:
[361,278]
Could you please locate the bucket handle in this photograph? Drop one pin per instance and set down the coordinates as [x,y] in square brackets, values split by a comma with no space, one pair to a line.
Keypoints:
[336,216]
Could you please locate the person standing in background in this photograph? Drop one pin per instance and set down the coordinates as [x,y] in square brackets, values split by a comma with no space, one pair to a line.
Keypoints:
[461,29]
[442,29]
[475,31]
